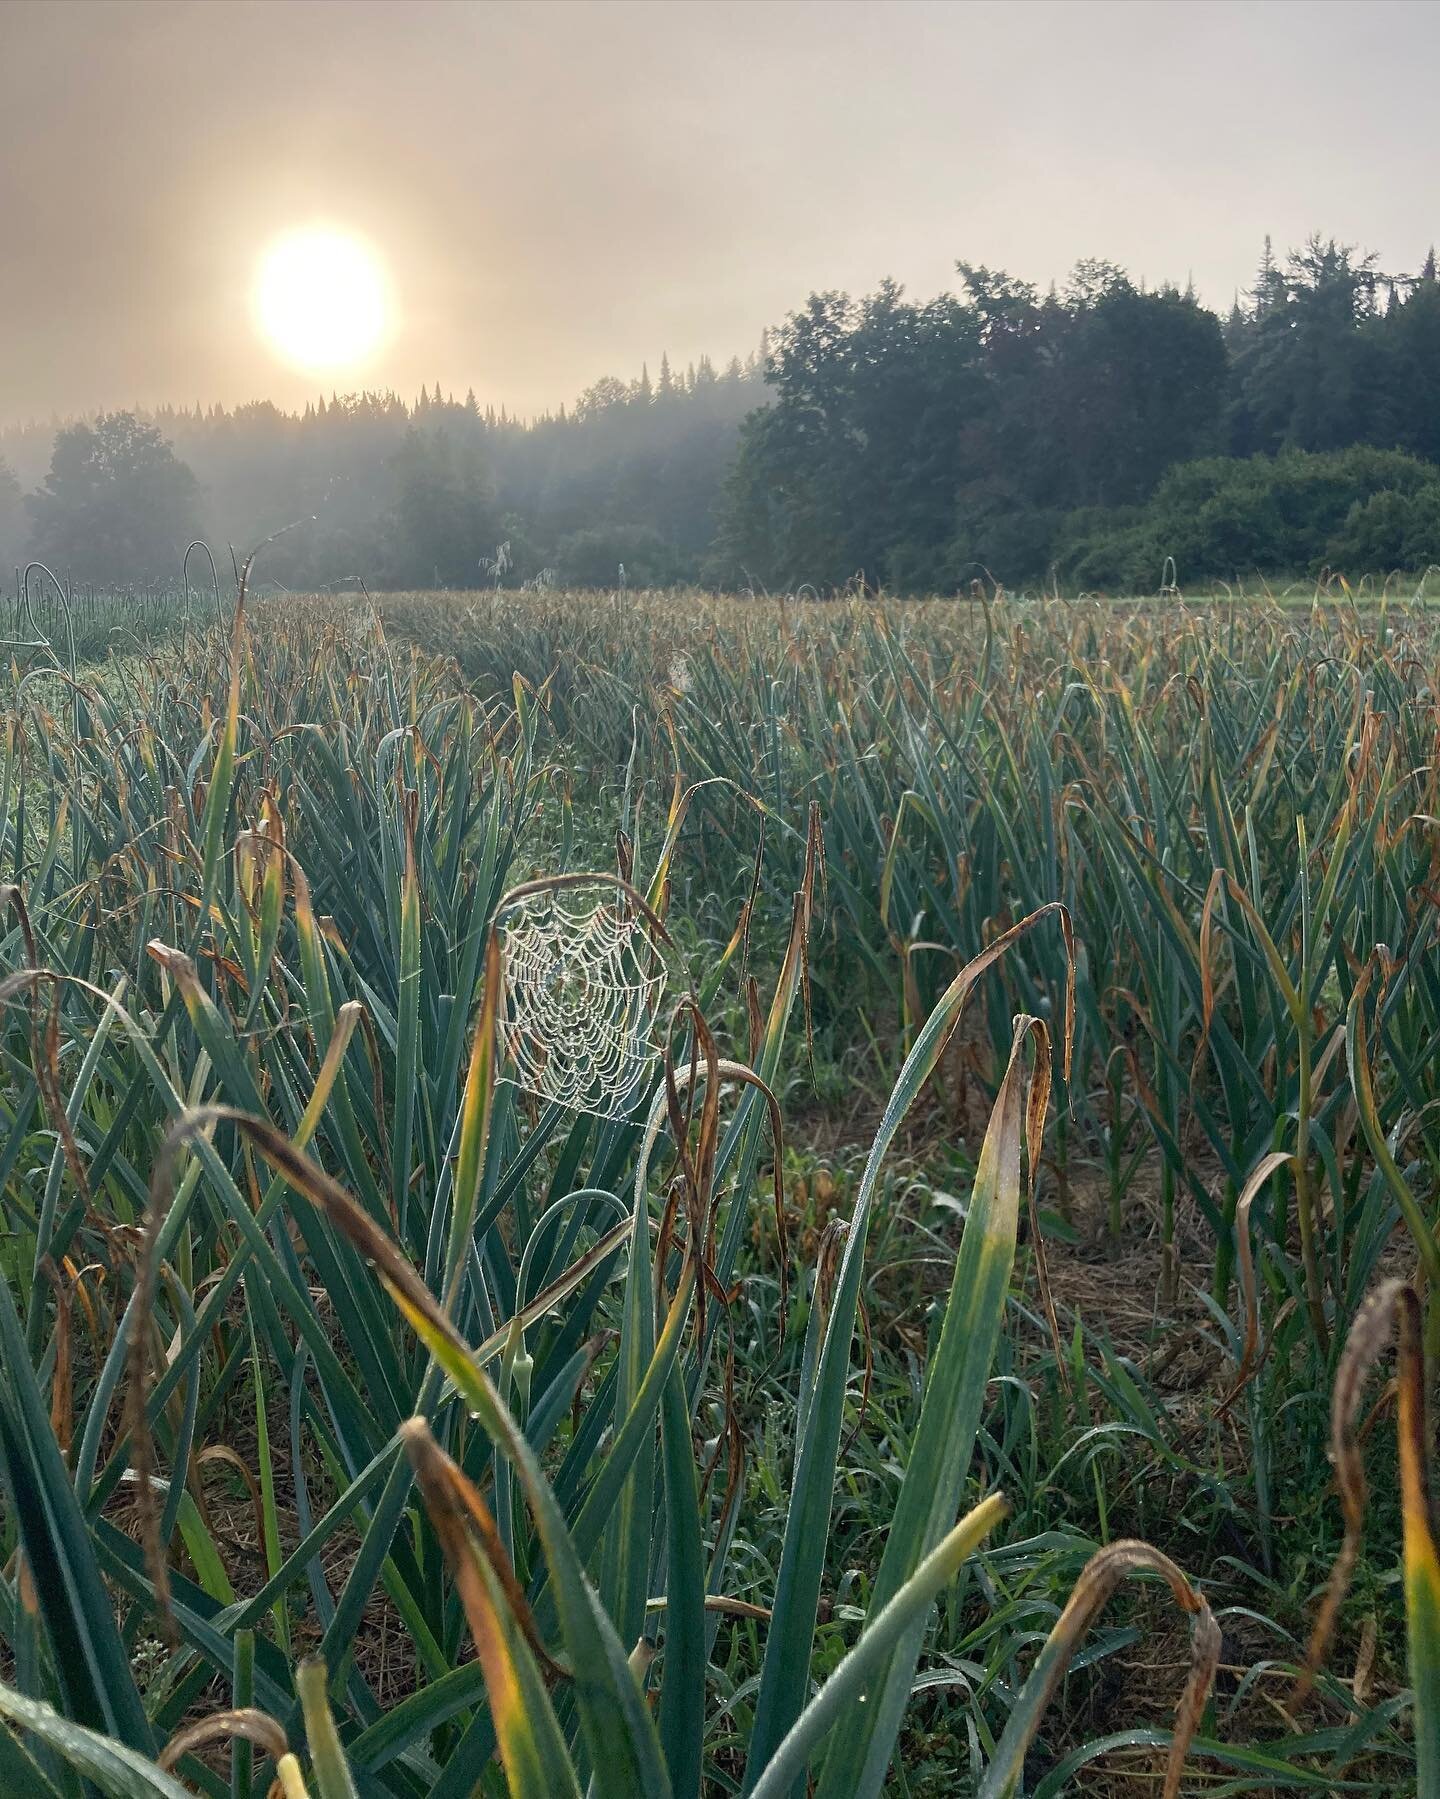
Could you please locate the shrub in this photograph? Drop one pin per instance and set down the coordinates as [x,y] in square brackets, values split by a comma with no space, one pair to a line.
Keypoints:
[1223,517]
[593,558]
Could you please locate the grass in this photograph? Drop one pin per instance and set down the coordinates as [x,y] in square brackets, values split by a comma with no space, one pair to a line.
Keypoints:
[933,1439]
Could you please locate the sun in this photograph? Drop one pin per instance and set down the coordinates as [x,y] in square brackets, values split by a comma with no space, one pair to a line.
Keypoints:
[321,298]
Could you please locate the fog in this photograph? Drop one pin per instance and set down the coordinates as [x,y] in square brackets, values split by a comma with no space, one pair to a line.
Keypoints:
[561,190]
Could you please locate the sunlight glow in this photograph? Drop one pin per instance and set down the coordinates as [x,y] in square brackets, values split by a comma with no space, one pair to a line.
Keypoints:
[321,299]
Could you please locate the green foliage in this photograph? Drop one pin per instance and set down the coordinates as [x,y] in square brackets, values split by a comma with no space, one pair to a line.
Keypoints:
[445,512]
[116,498]
[594,558]
[679,1448]
[1390,529]
[394,492]
[910,440]
[925,443]
[12,516]
[232,1042]
[1316,367]
[1352,510]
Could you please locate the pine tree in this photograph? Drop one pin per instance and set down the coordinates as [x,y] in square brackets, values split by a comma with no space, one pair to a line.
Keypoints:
[1269,288]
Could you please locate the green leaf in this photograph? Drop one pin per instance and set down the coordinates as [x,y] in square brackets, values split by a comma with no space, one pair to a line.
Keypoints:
[119,1772]
[945,1438]
[786,1670]
[333,1779]
[90,1658]
[537,1764]
[682,1688]
[858,1676]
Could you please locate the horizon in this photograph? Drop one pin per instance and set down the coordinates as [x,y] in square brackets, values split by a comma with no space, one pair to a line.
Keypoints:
[544,196]
[319,398]
[200,409]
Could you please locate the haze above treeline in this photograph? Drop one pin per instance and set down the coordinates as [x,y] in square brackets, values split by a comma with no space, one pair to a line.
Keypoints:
[562,188]
[1081,435]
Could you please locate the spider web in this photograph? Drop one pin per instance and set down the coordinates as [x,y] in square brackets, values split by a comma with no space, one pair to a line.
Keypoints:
[582,985]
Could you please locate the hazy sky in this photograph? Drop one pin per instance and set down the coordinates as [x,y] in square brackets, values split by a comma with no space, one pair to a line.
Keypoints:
[561,190]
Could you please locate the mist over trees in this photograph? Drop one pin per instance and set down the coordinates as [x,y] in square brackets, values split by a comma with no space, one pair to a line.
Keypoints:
[1082,435]
[416,495]
[116,497]
[12,516]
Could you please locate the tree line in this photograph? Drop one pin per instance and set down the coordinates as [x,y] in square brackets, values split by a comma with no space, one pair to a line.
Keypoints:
[436,492]
[1087,434]
[1081,436]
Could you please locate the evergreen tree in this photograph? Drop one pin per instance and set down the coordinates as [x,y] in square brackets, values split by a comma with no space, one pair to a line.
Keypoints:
[1269,290]
[445,512]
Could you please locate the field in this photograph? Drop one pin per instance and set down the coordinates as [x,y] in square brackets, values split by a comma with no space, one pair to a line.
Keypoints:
[956,1368]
